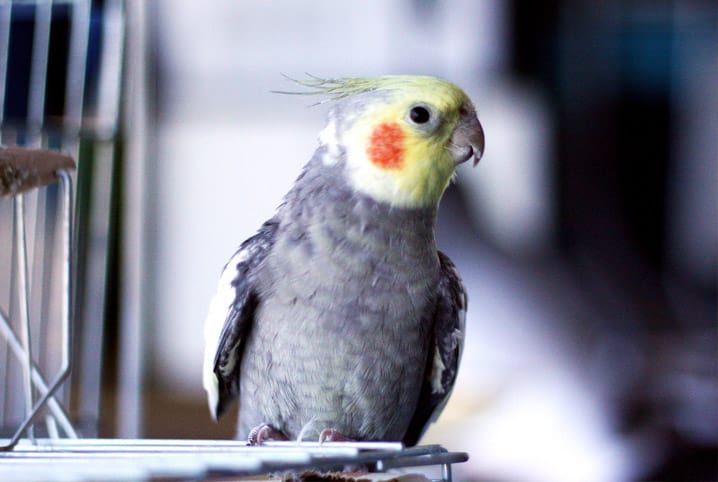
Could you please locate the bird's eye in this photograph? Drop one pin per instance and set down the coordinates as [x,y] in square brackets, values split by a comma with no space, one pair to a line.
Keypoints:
[419,114]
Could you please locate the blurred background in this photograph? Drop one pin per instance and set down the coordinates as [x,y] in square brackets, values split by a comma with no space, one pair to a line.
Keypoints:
[587,235]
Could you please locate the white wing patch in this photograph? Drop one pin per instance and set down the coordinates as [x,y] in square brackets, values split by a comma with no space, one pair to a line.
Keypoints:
[218,309]
[438,367]
[437,371]
[460,332]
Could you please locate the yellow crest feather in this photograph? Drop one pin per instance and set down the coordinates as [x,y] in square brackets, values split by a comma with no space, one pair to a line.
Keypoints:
[342,87]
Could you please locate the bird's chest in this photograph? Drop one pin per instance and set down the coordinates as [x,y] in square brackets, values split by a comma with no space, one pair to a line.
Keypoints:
[343,337]
[353,294]
[353,366]
[349,280]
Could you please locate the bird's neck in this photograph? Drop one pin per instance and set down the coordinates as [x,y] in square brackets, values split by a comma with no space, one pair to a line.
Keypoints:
[322,196]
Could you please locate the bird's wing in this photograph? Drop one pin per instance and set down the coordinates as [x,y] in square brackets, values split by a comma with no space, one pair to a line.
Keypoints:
[446,348]
[230,317]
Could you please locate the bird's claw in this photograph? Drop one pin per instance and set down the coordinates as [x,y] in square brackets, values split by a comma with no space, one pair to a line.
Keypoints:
[262,433]
[331,435]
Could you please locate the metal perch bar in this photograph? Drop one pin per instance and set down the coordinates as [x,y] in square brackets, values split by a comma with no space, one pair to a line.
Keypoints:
[201,459]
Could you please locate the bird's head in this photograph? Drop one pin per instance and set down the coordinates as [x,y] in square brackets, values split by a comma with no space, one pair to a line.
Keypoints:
[402,137]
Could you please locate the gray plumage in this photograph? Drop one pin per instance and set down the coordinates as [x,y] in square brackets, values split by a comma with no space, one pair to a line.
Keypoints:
[340,313]
[339,309]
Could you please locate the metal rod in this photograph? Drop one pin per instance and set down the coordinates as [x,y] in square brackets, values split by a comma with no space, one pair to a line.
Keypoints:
[38,71]
[132,310]
[5,11]
[36,409]
[35,116]
[21,250]
[43,274]
[51,425]
[40,272]
[389,446]
[446,472]
[76,65]
[75,80]
[91,312]
[110,83]
[37,379]
[67,289]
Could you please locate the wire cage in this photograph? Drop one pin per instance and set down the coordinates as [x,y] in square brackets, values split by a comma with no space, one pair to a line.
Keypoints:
[60,71]
[61,82]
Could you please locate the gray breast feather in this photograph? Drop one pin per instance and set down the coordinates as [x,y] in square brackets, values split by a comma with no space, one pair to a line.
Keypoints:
[289,293]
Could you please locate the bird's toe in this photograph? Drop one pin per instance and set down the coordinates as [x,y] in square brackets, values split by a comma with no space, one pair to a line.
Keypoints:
[332,435]
[262,433]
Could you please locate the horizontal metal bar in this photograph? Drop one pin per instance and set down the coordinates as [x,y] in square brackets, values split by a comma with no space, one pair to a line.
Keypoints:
[96,446]
[93,459]
[391,446]
[115,442]
[424,450]
[110,469]
[172,444]
[223,459]
[14,473]
[433,459]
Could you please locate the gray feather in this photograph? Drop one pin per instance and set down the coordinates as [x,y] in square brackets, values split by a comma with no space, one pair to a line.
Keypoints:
[447,346]
[338,313]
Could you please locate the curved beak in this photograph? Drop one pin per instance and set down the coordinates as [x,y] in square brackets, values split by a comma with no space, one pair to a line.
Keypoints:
[467,140]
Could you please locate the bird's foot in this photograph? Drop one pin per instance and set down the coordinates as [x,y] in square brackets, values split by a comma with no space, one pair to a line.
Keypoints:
[331,435]
[262,433]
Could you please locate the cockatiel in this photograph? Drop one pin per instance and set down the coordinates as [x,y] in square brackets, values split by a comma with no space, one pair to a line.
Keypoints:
[339,318]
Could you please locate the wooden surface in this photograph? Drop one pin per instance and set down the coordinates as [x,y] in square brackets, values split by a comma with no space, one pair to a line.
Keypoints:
[22,169]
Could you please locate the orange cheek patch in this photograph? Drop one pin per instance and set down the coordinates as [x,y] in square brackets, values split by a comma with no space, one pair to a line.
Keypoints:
[386,146]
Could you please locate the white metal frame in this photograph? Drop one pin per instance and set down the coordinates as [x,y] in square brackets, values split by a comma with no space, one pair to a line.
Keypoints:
[21,345]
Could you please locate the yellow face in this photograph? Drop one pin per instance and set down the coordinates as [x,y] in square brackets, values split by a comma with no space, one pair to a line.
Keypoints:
[402,147]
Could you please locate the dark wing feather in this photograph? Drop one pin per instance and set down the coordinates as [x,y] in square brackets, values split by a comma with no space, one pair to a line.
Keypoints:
[240,314]
[445,351]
